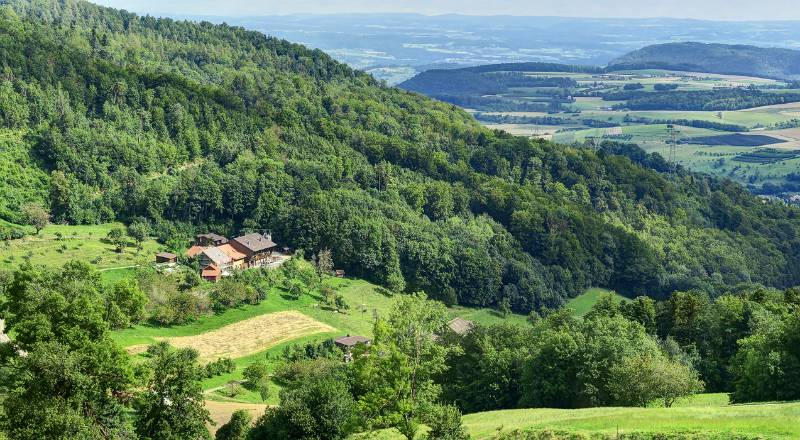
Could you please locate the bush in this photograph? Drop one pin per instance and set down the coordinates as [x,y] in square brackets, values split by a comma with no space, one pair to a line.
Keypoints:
[445,424]
[219,367]
[232,389]
[229,294]
[237,427]
[179,308]
[256,378]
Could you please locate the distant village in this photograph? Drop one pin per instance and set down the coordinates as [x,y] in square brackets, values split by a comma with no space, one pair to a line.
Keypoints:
[220,257]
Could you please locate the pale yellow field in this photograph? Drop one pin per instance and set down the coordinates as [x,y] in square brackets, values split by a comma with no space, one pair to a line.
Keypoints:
[246,337]
[221,411]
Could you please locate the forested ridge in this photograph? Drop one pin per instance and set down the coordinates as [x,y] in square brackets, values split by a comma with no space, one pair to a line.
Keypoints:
[195,127]
[737,59]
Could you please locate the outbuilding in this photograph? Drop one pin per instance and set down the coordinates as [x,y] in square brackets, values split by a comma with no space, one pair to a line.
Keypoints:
[166,258]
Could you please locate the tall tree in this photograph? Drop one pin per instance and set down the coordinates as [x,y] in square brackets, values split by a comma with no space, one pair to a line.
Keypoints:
[64,373]
[394,376]
[171,405]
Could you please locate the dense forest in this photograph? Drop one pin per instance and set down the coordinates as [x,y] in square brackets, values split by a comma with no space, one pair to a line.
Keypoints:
[195,127]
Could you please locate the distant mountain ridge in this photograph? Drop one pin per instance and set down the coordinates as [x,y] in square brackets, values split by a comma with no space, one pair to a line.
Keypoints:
[714,58]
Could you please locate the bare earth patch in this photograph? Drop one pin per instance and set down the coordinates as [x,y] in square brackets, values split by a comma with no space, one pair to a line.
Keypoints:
[221,411]
[246,337]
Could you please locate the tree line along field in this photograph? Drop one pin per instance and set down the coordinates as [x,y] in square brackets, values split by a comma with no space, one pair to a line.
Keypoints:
[365,299]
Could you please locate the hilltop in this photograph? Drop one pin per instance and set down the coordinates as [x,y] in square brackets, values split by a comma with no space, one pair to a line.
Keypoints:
[714,58]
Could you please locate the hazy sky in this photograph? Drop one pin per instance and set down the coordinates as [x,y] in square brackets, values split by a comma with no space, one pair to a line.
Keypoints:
[699,9]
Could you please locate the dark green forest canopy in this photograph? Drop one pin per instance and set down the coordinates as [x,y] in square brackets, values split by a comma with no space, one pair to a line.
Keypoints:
[197,127]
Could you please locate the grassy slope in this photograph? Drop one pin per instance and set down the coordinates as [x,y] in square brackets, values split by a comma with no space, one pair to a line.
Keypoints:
[772,420]
[356,293]
[703,413]
[583,303]
[78,243]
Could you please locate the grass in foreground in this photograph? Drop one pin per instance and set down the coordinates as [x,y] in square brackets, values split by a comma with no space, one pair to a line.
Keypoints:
[769,420]
[707,414]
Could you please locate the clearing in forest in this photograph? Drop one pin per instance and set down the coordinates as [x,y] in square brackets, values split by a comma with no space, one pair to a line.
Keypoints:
[246,337]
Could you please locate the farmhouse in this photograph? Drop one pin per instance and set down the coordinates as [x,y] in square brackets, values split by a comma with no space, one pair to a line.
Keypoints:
[257,248]
[214,256]
[220,256]
[211,273]
[237,258]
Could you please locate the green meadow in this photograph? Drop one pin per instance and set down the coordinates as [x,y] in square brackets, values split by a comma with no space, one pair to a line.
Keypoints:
[366,300]
[704,416]
[766,421]
[580,305]
[56,244]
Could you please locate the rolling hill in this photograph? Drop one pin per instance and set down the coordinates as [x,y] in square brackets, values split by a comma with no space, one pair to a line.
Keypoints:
[714,58]
[194,127]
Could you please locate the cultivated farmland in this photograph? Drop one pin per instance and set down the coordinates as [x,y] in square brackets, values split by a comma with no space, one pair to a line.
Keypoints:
[248,336]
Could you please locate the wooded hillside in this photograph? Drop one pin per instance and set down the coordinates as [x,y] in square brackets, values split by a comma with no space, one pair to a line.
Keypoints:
[197,126]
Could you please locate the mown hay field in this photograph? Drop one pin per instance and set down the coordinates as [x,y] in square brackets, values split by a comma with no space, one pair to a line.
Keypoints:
[248,336]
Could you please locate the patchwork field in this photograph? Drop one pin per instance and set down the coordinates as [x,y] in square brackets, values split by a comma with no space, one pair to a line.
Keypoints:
[578,120]
[261,332]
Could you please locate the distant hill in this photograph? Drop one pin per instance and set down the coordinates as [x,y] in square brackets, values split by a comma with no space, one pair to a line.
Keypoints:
[714,58]
[475,87]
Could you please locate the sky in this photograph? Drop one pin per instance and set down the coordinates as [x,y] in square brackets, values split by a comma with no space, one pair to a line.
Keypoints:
[697,9]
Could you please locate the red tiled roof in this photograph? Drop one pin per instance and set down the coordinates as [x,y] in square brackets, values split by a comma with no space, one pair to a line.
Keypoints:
[228,250]
[211,271]
[194,251]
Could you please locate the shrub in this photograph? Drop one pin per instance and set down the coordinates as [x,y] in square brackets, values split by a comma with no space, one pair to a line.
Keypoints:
[256,378]
[237,427]
[219,367]
[232,389]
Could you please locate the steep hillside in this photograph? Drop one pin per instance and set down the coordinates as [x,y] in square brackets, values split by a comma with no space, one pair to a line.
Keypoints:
[714,58]
[195,127]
